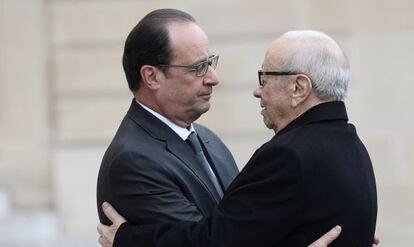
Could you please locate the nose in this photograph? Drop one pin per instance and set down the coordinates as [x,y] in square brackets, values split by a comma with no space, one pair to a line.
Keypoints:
[257,92]
[211,77]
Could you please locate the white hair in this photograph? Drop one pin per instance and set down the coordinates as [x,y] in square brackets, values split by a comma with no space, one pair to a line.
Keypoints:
[321,59]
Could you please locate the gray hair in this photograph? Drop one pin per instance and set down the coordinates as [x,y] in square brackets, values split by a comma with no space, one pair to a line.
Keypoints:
[320,58]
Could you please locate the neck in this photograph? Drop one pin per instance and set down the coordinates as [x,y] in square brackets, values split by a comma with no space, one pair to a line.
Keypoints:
[149,101]
[146,99]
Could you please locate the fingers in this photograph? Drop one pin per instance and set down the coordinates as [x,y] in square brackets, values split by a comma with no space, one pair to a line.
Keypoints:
[112,214]
[107,233]
[101,227]
[331,235]
[326,239]
[104,242]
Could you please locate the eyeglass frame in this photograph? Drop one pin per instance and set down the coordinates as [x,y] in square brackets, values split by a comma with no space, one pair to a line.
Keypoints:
[281,73]
[211,61]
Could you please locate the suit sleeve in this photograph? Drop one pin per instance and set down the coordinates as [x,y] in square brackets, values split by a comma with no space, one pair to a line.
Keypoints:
[260,208]
[144,192]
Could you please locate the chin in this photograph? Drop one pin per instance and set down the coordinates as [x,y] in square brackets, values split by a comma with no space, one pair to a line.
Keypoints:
[198,111]
[268,123]
[204,108]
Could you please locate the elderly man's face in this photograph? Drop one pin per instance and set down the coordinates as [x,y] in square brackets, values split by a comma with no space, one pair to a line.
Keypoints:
[275,94]
[183,96]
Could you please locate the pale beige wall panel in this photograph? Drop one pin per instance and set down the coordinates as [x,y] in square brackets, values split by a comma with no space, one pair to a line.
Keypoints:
[88,71]
[89,119]
[24,101]
[75,22]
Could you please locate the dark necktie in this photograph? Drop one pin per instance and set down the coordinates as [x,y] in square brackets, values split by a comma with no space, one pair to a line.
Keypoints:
[195,143]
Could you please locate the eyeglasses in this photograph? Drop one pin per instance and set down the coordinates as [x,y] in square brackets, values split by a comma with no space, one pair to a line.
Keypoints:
[200,69]
[261,73]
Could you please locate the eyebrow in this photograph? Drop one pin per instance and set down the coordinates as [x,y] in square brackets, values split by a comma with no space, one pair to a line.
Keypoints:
[202,60]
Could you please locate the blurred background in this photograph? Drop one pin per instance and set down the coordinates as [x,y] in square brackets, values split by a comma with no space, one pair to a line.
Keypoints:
[63,94]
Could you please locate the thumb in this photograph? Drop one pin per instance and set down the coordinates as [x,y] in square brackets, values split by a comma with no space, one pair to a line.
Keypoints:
[112,214]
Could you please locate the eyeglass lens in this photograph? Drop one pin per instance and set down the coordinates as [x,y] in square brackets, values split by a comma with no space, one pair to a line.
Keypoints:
[202,68]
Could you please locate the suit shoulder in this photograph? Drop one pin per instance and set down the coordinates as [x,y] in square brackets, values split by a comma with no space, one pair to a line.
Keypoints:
[201,129]
[207,134]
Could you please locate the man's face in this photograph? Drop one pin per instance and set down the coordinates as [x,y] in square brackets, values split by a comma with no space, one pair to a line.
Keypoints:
[275,95]
[183,96]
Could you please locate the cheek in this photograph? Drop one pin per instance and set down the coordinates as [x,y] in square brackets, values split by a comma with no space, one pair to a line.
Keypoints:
[274,104]
[193,90]
[268,97]
[191,85]
[186,90]
[185,96]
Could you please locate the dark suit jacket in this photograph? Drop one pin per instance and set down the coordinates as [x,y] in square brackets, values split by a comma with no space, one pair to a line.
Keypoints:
[151,175]
[312,175]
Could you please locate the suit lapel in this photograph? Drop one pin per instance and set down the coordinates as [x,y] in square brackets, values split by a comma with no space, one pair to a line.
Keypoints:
[174,144]
[216,162]
[184,152]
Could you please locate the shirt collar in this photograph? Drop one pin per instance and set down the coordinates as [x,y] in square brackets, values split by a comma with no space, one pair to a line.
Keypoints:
[180,131]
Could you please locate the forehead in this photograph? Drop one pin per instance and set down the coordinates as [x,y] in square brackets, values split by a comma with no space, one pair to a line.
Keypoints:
[274,55]
[188,42]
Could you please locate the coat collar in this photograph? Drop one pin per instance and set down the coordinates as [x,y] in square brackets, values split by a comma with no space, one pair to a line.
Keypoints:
[328,111]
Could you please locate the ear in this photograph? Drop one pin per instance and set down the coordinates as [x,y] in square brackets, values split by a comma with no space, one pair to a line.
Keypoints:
[150,76]
[302,88]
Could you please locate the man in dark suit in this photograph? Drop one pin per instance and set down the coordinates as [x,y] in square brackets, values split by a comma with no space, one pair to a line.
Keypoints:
[314,173]
[149,172]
